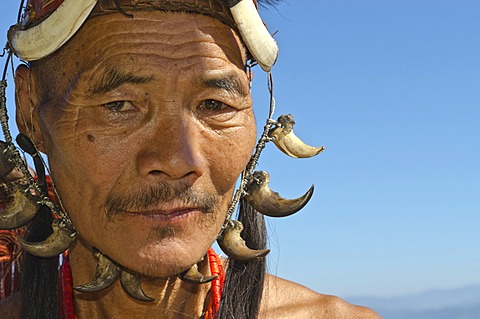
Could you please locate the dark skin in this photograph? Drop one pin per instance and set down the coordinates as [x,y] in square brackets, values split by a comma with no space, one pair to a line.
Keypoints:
[166,102]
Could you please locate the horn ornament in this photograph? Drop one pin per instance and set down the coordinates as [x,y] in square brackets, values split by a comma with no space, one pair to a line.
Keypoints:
[286,140]
[270,203]
[254,33]
[19,211]
[45,38]
[132,285]
[194,276]
[106,274]
[234,246]
[61,238]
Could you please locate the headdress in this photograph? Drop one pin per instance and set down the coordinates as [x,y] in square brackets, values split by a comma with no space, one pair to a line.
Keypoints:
[46,25]
[43,28]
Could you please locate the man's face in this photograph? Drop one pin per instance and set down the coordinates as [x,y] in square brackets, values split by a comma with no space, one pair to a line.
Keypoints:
[150,127]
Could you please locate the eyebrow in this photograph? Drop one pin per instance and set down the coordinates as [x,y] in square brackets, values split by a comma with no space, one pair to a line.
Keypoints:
[228,83]
[114,78]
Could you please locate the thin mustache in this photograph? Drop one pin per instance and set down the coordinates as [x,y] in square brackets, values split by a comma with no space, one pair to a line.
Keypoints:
[154,196]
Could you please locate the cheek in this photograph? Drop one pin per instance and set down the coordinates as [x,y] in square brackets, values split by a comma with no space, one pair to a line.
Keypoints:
[83,166]
[82,151]
[230,153]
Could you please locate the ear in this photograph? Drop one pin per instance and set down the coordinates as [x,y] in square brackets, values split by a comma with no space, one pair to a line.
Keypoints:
[28,101]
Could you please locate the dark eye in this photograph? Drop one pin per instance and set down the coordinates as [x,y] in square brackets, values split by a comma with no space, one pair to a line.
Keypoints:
[119,106]
[213,105]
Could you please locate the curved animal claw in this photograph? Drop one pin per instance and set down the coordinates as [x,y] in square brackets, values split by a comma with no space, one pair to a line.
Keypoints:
[193,276]
[234,246]
[286,140]
[61,238]
[270,203]
[106,274]
[131,283]
[19,211]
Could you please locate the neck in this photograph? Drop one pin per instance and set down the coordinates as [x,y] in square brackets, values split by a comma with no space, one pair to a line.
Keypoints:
[173,297]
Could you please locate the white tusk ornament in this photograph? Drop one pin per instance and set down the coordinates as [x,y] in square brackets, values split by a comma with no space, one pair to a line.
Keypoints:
[45,38]
[258,40]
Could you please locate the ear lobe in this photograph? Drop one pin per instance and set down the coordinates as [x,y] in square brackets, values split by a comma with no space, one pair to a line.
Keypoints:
[27,104]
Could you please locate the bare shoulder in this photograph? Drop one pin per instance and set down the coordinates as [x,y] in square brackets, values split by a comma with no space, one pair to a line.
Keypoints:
[10,307]
[286,299]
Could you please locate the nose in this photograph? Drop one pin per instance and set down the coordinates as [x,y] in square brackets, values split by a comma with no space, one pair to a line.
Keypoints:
[172,151]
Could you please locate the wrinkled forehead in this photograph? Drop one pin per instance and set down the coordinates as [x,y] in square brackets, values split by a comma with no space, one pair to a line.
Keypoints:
[174,39]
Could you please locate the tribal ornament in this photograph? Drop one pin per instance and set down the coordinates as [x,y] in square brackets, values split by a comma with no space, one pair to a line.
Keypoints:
[234,246]
[270,203]
[259,42]
[108,272]
[286,140]
[57,243]
[132,284]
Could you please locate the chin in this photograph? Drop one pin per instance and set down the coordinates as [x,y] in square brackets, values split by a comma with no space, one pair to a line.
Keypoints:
[154,246]
[163,259]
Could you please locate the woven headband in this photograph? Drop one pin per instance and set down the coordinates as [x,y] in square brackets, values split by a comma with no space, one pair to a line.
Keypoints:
[38,10]
[47,24]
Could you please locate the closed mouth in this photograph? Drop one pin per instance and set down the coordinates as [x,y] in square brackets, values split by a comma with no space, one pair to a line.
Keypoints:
[165,215]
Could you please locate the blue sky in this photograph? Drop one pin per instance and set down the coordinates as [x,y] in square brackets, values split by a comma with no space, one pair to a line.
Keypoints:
[392,89]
